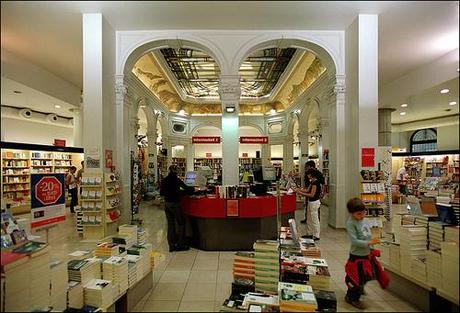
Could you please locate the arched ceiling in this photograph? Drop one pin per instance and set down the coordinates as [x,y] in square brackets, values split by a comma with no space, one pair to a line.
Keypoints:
[188,80]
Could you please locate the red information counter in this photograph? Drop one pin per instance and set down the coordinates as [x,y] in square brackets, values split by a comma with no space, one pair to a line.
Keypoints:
[234,224]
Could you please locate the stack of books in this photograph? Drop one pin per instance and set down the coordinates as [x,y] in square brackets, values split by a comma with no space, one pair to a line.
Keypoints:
[408,219]
[318,273]
[84,270]
[452,234]
[433,268]
[267,265]
[25,281]
[107,249]
[418,268]
[244,265]
[125,240]
[396,223]
[59,279]
[99,293]
[75,295]
[327,301]
[395,258]
[116,269]
[413,244]
[79,255]
[450,272]
[142,235]
[134,268]
[293,268]
[144,251]
[435,235]
[126,229]
[309,248]
[270,303]
[296,298]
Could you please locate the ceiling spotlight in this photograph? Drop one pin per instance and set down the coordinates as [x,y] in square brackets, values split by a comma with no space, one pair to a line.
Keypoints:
[404,105]
[452,103]
[181,112]
[444,90]
[17,91]
[230,109]
[402,113]
[57,106]
[272,111]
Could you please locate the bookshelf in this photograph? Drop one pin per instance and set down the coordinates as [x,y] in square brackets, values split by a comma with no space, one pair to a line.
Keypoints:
[437,167]
[414,172]
[277,163]
[214,163]
[248,164]
[372,193]
[162,166]
[181,164]
[91,208]
[325,169]
[17,165]
[112,202]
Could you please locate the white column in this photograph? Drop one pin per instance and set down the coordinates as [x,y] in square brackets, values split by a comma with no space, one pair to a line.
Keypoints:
[368,80]
[265,154]
[229,91]
[190,153]
[92,86]
[303,157]
[288,155]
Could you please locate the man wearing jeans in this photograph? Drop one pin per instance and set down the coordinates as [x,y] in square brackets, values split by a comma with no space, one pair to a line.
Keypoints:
[172,188]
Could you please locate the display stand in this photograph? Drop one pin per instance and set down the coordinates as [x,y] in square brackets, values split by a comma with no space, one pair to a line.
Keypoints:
[92,206]
[135,190]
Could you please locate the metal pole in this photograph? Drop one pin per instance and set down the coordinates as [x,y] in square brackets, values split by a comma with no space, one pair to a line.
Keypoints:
[278,209]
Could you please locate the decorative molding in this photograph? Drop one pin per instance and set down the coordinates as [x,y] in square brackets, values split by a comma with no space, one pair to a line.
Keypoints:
[229,89]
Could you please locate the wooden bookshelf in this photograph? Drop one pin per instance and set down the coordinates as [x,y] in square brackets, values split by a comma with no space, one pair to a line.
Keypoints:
[181,164]
[214,163]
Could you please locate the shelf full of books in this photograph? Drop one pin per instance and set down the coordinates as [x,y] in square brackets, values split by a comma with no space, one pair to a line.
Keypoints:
[17,166]
[372,191]
[100,201]
[162,166]
[248,164]
[277,163]
[214,163]
[325,169]
[281,276]
[181,164]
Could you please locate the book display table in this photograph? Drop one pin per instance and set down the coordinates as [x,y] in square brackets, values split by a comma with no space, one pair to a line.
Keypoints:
[234,224]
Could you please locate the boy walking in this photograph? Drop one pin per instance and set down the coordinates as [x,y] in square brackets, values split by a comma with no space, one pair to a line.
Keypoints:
[362,265]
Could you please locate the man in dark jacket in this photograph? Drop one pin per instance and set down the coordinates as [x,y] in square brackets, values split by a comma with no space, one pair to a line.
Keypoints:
[172,188]
[310,166]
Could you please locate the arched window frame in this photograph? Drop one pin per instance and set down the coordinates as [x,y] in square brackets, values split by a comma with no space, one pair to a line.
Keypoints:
[412,142]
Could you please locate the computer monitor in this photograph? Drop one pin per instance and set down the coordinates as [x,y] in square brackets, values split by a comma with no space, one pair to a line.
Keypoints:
[268,173]
[190,178]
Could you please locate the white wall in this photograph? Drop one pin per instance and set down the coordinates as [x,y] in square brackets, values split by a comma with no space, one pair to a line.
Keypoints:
[247,148]
[276,151]
[15,130]
[448,138]
[215,149]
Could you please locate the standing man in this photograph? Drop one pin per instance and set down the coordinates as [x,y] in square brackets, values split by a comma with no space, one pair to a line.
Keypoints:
[172,188]
[71,183]
[401,177]
[310,166]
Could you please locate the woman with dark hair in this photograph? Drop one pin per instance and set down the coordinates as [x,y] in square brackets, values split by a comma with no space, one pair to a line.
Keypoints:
[313,194]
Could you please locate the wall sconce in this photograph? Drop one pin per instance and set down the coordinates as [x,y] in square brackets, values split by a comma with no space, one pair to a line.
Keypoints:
[229,109]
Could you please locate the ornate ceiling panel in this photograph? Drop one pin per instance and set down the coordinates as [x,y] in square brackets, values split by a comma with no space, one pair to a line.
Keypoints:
[197,76]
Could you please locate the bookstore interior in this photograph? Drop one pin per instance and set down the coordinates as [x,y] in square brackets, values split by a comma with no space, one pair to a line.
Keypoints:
[250,121]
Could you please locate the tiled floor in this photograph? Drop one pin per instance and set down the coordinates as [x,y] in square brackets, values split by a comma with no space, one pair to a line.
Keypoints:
[200,280]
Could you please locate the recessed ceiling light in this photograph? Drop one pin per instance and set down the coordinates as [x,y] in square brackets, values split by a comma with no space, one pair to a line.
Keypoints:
[57,106]
[444,91]
[402,113]
[404,105]
[17,91]
[452,103]
[272,111]
[182,112]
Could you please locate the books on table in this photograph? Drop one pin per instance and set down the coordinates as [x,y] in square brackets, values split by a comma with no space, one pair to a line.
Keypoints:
[99,293]
[266,265]
[296,298]
[84,270]
[115,269]
[79,255]
[244,265]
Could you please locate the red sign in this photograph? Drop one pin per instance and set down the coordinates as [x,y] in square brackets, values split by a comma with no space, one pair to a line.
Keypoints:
[108,159]
[59,142]
[208,154]
[205,139]
[367,157]
[245,155]
[254,139]
[48,190]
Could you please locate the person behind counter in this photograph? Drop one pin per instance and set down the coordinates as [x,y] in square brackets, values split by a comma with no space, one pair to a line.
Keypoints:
[172,188]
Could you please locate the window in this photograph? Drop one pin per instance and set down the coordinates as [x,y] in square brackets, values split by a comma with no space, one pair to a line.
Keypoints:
[424,140]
